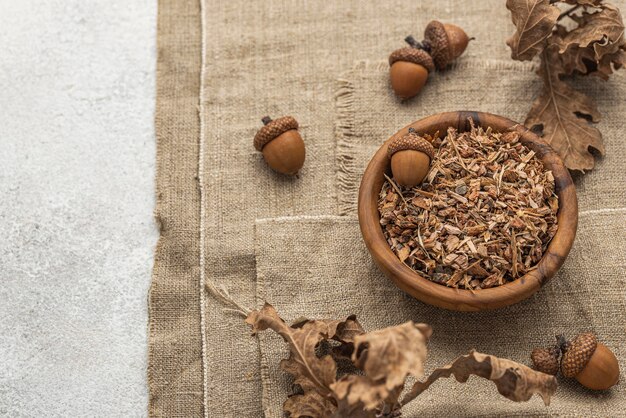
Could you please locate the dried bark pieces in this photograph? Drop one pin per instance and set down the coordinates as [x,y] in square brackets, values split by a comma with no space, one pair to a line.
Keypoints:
[483,218]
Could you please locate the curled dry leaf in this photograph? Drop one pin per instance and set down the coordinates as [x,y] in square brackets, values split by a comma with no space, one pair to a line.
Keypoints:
[534,21]
[605,26]
[309,405]
[513,380]
[563,115]
[592,44]
[608,62]
[309,371]
[393,353]
[386,357]
[357,392]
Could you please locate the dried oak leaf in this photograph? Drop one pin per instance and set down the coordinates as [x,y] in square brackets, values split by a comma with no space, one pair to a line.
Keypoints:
[534,20]
[578,59]
[309,371]
[313,374]
[563,115]
[309,405]
[393,353]
[387,357]
[598,59]
[359,393]
[513,380]
[345,333]
[608,56]
[605,26]
[574,58]
[608,62]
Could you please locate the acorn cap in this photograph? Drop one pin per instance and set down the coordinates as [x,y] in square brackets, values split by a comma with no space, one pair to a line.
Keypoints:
[546,360]
[578,354]
[273,129]
[414,55]
[411,141]
[447,42]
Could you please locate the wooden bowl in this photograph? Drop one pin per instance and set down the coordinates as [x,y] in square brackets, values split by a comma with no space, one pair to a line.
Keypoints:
[460,299]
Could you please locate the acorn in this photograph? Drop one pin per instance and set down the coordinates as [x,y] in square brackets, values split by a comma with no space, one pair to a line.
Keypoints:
[546,360]
[445,42]
[592,363]
[410,157]
[409,69]
[281,144]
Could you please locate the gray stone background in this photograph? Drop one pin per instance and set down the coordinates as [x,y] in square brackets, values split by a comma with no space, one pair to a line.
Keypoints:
[77,86]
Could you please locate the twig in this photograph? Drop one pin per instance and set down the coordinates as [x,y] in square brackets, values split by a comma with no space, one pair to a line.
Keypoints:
[223,295]
[396,188]
[425,45]
[458,154]
[514,255]
[421,243]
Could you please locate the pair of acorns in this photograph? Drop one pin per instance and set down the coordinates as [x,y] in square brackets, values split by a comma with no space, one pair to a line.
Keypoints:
[584,358]
[410,66]
[283,148]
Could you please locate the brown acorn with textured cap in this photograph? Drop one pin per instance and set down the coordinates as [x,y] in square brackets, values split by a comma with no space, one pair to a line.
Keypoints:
[281,144]
[410,156]
[445,42]
[409,69]
[592,363]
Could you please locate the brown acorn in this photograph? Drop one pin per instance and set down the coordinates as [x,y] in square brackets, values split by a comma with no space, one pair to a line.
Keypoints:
[445,42]
[409,68]
[592,363]
[281,144]
[410,158]
[546,360]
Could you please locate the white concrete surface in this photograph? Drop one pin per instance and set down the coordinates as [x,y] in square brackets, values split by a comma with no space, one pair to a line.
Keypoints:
[77,157]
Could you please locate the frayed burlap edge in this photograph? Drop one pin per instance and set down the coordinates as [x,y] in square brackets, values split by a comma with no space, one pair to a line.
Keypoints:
[348,179]
[174,370]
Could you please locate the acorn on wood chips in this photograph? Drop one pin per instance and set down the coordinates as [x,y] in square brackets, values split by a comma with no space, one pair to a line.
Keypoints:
[484,216]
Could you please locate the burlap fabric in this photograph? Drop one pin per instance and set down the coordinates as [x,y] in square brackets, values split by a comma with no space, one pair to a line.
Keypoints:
[256,59]
[276,58]
[368,113]
[325,271]
[174,346]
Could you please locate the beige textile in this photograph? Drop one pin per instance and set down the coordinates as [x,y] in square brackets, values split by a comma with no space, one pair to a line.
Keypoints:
[174,346]
[221,67]
[276,58]
[368,114]
[325,271]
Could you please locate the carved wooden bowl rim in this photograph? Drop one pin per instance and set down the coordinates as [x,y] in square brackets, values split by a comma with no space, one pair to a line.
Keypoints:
[435,294]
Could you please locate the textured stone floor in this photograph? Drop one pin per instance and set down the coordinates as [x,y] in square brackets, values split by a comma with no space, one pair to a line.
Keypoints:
[76,199]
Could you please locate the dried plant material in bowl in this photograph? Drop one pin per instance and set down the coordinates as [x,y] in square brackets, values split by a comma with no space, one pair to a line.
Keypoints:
[484,216]
[415,283]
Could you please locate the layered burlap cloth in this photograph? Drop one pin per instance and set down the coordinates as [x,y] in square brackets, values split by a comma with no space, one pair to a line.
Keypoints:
[224,65]
[367,110]
[175,346]
[325,271]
